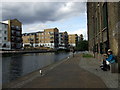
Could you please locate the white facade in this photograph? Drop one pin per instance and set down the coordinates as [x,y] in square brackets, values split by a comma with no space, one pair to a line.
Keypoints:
[50,45]
[4,44]
[72,44]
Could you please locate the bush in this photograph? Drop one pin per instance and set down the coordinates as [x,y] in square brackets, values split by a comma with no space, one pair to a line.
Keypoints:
[82,45]
[87,56]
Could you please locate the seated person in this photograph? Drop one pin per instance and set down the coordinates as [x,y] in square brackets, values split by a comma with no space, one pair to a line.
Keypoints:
[110,58]
[105,64]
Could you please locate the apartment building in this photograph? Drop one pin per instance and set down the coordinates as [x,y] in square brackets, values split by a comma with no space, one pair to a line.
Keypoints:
[104,28]
[40,39]
[51,38]
[29,39]
[63,40]
[73,39]
[14,33]
[4,44]
[47,38]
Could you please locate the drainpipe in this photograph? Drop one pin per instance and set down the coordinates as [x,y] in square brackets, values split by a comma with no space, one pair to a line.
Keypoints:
[108,46]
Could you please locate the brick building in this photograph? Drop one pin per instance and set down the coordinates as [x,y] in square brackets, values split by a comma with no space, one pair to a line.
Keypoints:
[29,39]
[14,33]
[104,27]
[47,38]
[73,39]
[51,37]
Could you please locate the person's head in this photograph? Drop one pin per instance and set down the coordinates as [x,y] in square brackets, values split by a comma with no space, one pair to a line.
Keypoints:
[105,55]
[109,51]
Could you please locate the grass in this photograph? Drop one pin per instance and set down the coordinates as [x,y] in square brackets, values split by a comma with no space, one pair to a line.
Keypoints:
[87,56]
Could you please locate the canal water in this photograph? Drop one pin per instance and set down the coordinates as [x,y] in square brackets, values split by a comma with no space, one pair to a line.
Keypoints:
[20,65]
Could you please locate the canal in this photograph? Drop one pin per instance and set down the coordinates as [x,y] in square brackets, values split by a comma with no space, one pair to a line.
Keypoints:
[16,66]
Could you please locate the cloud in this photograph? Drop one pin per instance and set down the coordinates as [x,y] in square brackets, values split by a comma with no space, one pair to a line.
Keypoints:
[42,12]
[34,28]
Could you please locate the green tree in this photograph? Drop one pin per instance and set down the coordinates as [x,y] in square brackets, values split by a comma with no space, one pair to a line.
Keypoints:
[82,45]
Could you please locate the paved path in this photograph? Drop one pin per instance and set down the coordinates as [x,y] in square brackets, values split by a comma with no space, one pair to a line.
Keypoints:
[69,74]
[111,80]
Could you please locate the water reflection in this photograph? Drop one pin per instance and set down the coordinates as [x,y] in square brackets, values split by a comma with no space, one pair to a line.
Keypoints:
[15,67]
[20,65]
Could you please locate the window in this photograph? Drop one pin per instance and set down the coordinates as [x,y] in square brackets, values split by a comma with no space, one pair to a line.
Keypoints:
[5,38]
[6,26]
[37,33]
[5,32]
[12,26]
[17,27]
[104,15]
[4,45]
[101,48]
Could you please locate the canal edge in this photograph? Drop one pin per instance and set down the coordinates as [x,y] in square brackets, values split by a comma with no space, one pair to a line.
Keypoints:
[18,83]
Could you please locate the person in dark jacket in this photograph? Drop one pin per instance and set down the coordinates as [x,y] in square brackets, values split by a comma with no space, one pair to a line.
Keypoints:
[105,65]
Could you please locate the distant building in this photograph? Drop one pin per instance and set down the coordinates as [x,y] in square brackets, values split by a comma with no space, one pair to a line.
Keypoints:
[47,38]
[63,40]
[80,37]
[4,44]
[104,27]
[73,39]
[40,40]
[51,37]
[29,39]
[14,33]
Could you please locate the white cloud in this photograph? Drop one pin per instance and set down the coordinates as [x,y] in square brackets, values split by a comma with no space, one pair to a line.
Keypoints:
[34,28]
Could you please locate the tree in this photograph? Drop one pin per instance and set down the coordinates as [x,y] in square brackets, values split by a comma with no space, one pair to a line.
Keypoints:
[81,37]
[82,45]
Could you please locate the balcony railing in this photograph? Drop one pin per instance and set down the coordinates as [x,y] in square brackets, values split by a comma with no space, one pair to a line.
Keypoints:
[14,28]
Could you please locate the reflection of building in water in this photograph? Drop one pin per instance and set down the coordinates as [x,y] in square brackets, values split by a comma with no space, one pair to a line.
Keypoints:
[15,68]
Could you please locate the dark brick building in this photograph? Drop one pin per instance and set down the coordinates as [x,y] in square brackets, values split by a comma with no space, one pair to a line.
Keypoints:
[104,27]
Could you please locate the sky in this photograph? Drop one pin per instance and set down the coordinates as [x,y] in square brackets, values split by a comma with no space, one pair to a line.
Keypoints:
[37,16]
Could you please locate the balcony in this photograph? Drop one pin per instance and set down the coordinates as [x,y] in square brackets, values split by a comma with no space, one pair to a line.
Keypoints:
[51,41]
[18,40]
[51,33]
[18,33]
[13,39]
[51,37]
[16,28]
[13,28]
[13,33]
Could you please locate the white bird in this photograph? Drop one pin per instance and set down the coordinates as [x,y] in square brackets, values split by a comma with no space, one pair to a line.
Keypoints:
[41,72]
